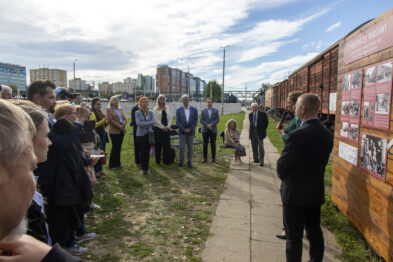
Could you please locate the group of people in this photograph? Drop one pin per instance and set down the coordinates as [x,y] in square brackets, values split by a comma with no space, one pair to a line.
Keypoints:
[49,138]
[301,168]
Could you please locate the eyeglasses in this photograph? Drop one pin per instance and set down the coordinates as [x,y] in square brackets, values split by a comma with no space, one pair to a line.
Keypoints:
[73,113]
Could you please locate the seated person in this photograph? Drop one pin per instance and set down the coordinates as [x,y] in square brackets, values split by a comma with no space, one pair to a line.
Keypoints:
[232,138]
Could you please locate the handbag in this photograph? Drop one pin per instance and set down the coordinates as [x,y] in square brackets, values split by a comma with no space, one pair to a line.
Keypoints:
[103,159]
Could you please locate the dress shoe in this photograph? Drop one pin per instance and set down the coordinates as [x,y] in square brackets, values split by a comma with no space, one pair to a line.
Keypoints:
[261,164]
[256,161]
[204,161]
[281,236]
[189,165]
[180,164]
[214,161]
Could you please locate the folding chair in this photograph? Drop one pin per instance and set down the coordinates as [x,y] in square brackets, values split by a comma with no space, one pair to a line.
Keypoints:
[223,147]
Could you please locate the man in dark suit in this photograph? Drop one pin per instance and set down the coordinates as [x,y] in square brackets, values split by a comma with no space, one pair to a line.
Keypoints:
[209,121]
[258,124]
[186,120]
[301,167]
[133,124]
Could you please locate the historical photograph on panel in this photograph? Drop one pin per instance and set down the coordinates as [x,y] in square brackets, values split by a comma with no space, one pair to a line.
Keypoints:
[346,83]
[356,80]
[345,108]
[366,109]
[353,131]
[355,108]
[384,72]
[344,129]
[382,103]
[371,75]
[373,154]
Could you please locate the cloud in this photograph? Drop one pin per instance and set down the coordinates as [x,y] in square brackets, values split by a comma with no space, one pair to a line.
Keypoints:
[119,38]
[271,72]
[334,26]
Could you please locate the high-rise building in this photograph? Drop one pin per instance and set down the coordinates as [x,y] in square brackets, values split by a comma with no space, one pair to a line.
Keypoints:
[173,81]
[130,85]
[57,76]
[13,75]
[145,84]
[105,88]
[80,85]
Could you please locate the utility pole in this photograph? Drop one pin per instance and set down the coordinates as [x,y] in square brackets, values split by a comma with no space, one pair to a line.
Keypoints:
[223,78]
[73,63]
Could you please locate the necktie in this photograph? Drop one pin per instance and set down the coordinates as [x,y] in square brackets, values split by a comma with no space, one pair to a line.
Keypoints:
[255,119]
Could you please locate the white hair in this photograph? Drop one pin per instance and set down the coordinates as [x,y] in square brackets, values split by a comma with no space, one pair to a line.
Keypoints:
[254,104]
[15,121]
[184,96]
[6,88]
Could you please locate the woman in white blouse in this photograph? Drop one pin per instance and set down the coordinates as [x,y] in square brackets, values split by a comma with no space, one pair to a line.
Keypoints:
[162,123]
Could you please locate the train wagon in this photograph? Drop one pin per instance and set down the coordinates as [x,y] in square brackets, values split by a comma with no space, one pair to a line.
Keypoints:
[362,182]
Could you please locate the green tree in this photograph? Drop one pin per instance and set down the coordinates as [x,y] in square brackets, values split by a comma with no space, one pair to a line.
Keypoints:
[264,87]
[216,90]
[14,88]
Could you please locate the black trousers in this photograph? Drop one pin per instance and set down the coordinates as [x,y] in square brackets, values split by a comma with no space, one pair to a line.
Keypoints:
[62,221]
[162,144]
[212,136]
[144,148]
[295,220]
[136,148]
[117,141]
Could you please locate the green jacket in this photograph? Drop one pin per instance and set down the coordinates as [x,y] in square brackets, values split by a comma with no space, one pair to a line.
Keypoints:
[294,124]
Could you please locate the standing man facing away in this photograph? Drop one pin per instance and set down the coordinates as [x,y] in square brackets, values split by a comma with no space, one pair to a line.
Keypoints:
[301,167]
[186,120]
[258,125]
[209,120]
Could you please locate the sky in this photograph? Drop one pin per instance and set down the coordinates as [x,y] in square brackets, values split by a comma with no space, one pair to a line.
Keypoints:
[112,40]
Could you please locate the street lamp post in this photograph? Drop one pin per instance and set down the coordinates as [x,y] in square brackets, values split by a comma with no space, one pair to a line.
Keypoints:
[223,77]
[73,63]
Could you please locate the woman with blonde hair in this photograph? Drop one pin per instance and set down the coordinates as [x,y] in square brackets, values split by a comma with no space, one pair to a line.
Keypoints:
[163,120]
[232,138]
[145,121]
[117,129]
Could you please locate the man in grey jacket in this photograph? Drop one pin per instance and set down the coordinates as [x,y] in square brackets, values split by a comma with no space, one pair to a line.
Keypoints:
[209,120]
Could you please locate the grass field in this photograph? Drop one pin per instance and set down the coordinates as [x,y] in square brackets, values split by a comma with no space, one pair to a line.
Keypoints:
[162,217]
[354,247]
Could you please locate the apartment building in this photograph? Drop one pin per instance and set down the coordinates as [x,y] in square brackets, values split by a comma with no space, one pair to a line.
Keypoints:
[57,76]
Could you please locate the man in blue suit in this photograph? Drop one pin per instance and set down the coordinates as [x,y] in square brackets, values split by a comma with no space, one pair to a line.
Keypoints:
[209,121]
[186,120]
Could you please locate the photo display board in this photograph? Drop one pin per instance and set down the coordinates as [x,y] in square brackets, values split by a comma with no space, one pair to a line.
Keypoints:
[373,155]
[377,95]
[350,107]
[348,153]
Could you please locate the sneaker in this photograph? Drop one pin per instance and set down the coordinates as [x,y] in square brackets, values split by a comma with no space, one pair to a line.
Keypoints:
[87,236]
[95,206]
[76,250]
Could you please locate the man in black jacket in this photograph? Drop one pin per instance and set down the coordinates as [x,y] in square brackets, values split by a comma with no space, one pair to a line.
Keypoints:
[258,124]
[301,167]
